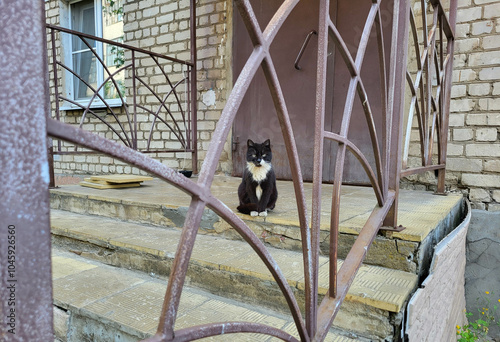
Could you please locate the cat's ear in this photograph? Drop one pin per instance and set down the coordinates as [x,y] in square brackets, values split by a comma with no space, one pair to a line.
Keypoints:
[267,143]
[250,143]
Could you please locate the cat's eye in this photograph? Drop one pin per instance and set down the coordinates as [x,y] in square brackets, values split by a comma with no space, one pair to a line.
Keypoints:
[263,155]
[253,155]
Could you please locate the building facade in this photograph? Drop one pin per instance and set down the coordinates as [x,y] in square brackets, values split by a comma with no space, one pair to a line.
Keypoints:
[162,26]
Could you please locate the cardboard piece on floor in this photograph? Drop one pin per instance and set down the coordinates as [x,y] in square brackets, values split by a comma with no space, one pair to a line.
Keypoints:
[119,179]
[90,180]
[109,185]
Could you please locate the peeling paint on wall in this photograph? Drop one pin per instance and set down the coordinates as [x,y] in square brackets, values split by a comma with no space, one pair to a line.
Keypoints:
[209,98]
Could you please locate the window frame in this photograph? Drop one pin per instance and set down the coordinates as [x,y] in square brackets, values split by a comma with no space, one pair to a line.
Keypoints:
[68,52]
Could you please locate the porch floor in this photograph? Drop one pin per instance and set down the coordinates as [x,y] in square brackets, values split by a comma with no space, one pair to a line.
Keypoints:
[419,211]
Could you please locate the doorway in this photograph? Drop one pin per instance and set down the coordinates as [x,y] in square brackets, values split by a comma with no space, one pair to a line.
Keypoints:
[257,119]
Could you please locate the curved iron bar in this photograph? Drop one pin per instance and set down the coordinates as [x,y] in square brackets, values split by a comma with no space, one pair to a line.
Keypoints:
[436,110]
[429,51]
[438,107]
[423,12]
[364,163]
[430,64]
[127,143]
[413,106]
[264,39]
[161,103]
[373,133]
[330,305]
[199,192]
[365,36]
[387,118]
[214,329]
[156,115]
[355,74]
[98,95]
[261,41]
[172,87]
[341,151]
[416,44]
[286,127]
[132,132]
[177,275]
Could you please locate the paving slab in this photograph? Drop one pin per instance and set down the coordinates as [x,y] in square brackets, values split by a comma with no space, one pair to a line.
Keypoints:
[131,302]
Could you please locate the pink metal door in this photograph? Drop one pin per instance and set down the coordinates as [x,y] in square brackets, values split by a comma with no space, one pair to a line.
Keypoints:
[256,119]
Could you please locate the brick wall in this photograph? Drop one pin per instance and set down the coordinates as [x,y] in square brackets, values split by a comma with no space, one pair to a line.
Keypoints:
[473,158]
[474,154]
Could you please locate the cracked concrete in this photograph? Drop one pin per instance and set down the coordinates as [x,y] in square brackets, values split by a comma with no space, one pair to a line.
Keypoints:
[482,271]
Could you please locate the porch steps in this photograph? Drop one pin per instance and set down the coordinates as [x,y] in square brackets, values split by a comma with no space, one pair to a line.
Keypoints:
[427,217]
[138,229]
[230,268]
[97,302]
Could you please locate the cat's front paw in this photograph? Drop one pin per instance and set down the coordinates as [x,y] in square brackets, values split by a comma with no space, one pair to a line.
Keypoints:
[263,213]
[254,213]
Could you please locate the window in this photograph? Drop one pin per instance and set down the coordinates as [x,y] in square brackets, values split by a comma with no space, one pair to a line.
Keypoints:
[101,18]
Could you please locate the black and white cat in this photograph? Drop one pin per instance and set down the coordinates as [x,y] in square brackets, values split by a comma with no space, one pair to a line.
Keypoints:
[257,191]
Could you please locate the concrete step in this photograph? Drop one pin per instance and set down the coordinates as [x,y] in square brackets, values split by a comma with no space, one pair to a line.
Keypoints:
[373,307]
[427,217]
[101,303]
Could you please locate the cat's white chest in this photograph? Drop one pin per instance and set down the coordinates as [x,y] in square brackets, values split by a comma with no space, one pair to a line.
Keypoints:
[259,174]
[258,192]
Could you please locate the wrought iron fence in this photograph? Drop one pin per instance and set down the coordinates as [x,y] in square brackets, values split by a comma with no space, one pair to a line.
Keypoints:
[137,113]
[384,178]
[429,78]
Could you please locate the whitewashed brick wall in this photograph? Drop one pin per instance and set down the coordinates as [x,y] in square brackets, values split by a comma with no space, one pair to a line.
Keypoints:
[475,108]
[473,159]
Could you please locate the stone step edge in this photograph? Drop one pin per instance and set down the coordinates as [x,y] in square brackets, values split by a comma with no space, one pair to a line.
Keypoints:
[100,308]
[172,215]
[362,293]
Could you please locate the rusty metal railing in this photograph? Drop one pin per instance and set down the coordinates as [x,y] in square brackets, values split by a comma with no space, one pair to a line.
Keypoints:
[384,176]
[178,116]
[430,87]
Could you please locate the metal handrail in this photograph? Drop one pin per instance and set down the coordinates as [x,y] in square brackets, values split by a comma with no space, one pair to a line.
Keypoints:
[127,131]
[431,111]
